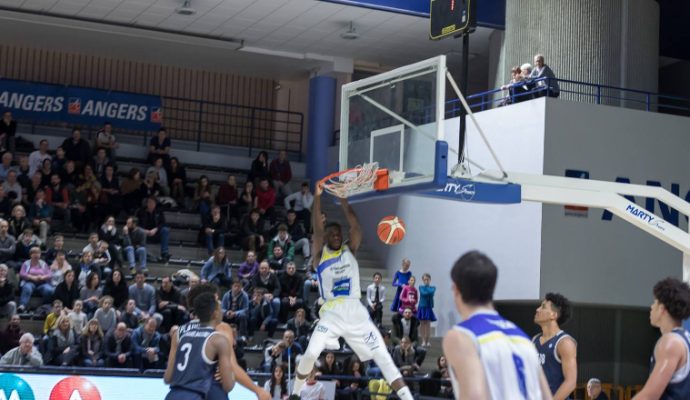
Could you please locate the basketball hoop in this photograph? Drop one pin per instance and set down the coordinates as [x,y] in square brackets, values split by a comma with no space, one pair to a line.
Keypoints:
[351,181]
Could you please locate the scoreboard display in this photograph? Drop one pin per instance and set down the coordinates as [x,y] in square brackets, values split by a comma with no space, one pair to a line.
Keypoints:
[451,17]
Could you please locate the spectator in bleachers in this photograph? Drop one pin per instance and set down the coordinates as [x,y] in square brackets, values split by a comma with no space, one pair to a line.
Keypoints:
[298,235]
[247,269]
[57,196]
[63,344]
[290,291]
[247,199]
[46,172]
[41,214]
[277,384]
[259,168]
[550,84]
[6,165]
[284,242]
[35,275]
[311,284]
[5,203]
[268,280]
[515,78]
[216,270]
[70,175]
[214,227]
[99,162]
[129,316]
[118,348]
[376,295]
[351,386]
[106,140]
[300,326]
[144,296]
[405,325]
[108,233]
[37,156]
[400,280]
[265,199]
[77,316]
[110,192]
[226,198]
[68,290]
[91,294]
[91,344]
[151,218]
[23,176]
[405,358]
[77,149]
[281,174]
[158,170]
[29,192]
[301,202]
[291,351]
[59,267]
[25,242]
[101,254]
[133,190]
[409,296]
[178,180]
[116,287]
[261,314]
[105,314]
[594,391]
[253,232]
[202,197]
[330,366]
[59,160]
[235,306]
[146,351]
[9,338]
[12,187]
[134,243]
[51,319]
[170,306]
[8,307]
[8,128]
[86,193]
[24,354]
[150,187]
[277,260]
[86,267]
[159,147]
[7,246]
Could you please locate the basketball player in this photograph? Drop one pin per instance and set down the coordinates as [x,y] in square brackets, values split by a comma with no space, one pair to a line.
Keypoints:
[216,392]
[195,351]
[489,356]
[343,314]
[557,350]
[670,376]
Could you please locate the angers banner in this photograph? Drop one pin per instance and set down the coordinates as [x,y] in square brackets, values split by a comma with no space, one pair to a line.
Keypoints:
[80,106]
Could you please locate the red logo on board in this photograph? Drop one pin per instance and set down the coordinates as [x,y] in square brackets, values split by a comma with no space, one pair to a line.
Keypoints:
[74,106]
[75,388]
[157,115]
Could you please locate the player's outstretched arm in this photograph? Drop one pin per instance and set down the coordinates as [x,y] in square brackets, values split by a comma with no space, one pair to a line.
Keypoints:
[567,352]
[466,366]
[240,374]
[167,376]
[668,354]
[355,238]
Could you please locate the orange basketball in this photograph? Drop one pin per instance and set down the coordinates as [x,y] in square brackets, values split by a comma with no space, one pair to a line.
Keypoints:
[391,229]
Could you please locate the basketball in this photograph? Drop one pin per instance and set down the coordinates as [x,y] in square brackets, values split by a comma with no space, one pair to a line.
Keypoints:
[391,230]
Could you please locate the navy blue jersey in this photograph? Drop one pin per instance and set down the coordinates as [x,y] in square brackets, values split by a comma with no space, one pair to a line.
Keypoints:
[550,362]
[193,371]
[679,386]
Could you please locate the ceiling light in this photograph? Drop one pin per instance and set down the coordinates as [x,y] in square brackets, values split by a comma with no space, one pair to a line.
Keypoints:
[351,33]
[186,8]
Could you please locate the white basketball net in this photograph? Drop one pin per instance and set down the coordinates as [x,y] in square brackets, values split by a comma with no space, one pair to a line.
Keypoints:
[352,181]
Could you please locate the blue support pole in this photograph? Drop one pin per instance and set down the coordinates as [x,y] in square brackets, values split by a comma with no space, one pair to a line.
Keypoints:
[322,92]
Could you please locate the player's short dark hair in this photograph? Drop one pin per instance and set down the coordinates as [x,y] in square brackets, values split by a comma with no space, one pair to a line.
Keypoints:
[474,274]
[198,290]
[332,225]
[205,305]
[675,296]
[292,211]
[561,305]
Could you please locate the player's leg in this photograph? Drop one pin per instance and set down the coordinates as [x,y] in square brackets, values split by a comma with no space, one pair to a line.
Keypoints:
[317,343]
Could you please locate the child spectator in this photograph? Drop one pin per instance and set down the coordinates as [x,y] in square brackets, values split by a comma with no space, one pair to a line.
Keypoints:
[313,389]
[106,314]
[399,280]
[277,384]
[409,296]
[77,317]
[58,245]
[92,345]
[86,266]
[52,317]
[425,312]
[376,295]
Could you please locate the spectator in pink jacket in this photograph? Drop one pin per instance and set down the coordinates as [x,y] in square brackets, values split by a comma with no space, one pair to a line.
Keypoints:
[409,297]
[34,274]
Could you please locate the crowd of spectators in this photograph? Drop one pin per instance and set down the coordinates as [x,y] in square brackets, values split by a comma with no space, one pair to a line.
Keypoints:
[528,82]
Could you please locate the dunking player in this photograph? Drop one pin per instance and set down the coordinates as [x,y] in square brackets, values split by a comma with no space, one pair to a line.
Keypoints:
[216,392]
[489,356]
[670,376]
[342,314]
[195,352]
[557,350]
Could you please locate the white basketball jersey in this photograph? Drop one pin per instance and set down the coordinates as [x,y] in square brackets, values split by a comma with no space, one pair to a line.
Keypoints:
[338,274]
[510,361]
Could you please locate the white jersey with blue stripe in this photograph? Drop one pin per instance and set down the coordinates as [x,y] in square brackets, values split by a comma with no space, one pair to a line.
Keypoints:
[510,361]
[338,274]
